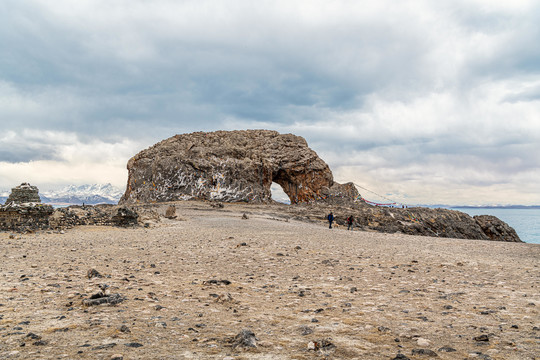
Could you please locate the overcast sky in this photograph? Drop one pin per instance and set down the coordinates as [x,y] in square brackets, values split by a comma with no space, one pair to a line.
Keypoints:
[420,101]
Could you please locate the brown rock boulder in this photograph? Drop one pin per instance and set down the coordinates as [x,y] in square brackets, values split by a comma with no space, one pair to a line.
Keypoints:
[229,166]
[496,229]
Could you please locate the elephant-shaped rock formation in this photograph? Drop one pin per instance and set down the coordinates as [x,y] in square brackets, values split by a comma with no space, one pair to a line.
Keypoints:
[231,166]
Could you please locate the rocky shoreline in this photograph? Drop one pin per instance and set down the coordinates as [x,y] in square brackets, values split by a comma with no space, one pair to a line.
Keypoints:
[411,221]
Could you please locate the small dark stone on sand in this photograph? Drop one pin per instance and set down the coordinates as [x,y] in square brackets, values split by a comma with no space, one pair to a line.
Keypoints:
[401,357]
[447,349]
[245,338]
[101,298]
[305,330]
[93,273]
[216,282]
[425,352]
[124,329]
[133,344]
[481,338]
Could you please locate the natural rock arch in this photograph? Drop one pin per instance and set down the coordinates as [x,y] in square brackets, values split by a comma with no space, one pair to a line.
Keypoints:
[230,166]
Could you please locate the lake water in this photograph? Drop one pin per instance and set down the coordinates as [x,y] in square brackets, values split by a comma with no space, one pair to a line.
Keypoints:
[526,222]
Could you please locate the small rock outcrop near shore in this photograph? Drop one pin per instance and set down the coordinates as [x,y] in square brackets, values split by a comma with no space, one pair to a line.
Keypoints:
[496,229]
[443,223]
[231,166]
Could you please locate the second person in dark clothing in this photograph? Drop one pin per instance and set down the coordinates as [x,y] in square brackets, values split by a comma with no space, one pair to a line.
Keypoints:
[350,221]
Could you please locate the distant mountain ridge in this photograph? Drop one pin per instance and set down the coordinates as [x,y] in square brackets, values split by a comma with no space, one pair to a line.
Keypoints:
[78,195]
[83,194]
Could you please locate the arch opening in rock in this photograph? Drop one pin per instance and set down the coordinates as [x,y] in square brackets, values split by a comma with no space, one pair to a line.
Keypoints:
[278,194]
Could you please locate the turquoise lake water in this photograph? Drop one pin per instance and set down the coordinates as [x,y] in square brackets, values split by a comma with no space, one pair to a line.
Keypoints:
[526,222]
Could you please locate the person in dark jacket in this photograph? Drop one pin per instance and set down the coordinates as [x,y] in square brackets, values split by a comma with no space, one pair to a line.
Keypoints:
[330,218]
[350,221]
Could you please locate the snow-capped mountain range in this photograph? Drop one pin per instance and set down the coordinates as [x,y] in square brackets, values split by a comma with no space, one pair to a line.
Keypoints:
[78,195]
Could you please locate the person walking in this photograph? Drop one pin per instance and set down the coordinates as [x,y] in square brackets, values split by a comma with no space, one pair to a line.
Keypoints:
[350,221]
[330,218]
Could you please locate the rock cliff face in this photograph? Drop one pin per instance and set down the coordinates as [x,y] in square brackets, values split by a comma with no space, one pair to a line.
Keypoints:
[230,166]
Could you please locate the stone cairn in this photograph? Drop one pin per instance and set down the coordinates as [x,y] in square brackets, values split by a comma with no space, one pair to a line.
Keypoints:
[24,193]
[24,211]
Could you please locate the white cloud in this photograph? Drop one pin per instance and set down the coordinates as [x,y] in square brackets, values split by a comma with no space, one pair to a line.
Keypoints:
[75,161]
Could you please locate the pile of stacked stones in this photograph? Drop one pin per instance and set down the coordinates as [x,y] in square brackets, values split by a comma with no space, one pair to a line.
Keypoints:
[23,210]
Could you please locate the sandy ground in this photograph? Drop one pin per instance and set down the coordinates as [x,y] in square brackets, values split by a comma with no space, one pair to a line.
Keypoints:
[305,292]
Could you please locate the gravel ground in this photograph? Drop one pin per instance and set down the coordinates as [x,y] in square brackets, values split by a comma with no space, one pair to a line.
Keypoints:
[210,284]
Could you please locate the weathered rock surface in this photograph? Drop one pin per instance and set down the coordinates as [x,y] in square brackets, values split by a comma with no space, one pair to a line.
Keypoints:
[230,166]
[496,229]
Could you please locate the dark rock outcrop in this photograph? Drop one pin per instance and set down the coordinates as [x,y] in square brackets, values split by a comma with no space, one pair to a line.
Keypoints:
[412,221]
[125,217]
[230,166]
[496,229]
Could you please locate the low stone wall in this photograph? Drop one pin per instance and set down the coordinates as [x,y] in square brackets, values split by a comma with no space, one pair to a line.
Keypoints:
[25,217]
[31,217]
[106,215]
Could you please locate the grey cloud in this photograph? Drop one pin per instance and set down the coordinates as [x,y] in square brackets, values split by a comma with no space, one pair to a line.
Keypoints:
[22,151]
[150,70]
[531,94]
